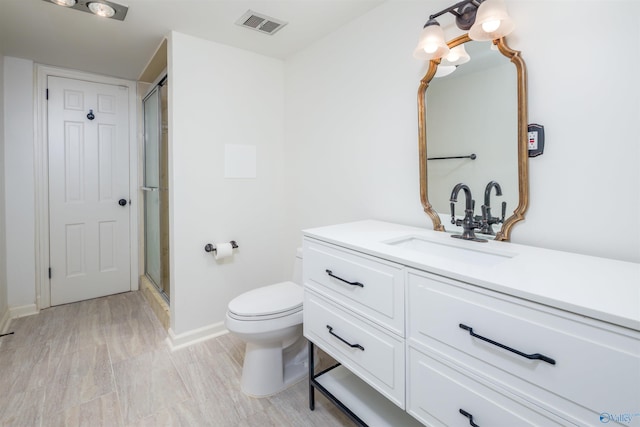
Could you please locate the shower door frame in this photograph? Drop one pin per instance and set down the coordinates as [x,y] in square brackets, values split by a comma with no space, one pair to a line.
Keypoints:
[161,189]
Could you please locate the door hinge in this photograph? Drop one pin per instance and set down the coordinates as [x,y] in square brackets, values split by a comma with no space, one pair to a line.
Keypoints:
[49,272]
[47,94]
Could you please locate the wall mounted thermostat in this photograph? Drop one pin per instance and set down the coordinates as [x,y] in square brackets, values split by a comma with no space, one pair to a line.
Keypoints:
[535,140]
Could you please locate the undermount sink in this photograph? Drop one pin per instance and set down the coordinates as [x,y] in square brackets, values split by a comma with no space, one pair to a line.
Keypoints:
[461,251]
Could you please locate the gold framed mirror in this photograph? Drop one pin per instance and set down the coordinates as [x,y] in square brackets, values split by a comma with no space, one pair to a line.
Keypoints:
[499,132]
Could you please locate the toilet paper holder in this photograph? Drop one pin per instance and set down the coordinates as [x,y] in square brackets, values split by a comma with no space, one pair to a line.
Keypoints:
[209,247]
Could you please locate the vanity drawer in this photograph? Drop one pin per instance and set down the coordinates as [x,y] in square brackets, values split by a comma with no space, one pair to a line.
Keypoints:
[376,356]
[437,392]
[375,289]
[590,357]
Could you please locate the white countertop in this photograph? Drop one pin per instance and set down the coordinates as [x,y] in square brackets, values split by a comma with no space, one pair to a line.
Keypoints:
[600,288]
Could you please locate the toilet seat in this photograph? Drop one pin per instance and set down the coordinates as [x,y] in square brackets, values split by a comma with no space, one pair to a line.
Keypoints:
[268,302]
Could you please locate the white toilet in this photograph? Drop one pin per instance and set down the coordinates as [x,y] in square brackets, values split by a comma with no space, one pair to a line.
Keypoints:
[269,321]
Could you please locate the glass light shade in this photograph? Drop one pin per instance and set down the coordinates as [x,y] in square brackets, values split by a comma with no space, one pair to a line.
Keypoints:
[65,3]
[101,9]
[431,44]
[490,26]
[444,70]
[457,56]
[492,21]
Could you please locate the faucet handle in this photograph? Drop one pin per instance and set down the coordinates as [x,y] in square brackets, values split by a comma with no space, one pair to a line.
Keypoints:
[485,217]
[453,213]
[504,211]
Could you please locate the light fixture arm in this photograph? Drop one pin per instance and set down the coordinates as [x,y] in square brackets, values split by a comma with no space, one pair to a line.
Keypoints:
[464,11]
[452,9]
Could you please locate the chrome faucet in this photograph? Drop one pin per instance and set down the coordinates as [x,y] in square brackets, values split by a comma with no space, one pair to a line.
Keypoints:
[487,219]
[469,223]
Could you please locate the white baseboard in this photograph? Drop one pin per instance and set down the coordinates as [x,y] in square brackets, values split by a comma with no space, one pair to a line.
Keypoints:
[23,310]
[186,339]
[5,320]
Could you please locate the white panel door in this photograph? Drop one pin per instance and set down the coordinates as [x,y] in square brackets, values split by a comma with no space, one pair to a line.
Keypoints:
[88,189]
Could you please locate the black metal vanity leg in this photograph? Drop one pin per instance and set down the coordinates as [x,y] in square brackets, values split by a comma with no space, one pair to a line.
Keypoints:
[312,400]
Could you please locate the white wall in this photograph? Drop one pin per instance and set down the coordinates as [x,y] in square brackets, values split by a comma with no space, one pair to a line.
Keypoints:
[19,181]
[3,239]
[222,95]
[351,123]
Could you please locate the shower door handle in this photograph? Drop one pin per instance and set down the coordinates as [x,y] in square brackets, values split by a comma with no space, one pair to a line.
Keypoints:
[149,188]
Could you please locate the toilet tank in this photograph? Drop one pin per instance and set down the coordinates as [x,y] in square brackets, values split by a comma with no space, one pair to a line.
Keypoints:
[297,267]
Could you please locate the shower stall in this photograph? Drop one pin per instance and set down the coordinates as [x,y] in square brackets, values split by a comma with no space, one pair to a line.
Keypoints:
[155,189]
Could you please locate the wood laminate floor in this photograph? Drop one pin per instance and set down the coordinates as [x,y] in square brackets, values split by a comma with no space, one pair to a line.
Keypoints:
[104,362]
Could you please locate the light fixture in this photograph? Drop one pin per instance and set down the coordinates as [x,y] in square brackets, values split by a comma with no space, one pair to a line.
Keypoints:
[492,21]
[444,70]
[65,3]
[484,19]
[457,56]
[431,43]
[102,8]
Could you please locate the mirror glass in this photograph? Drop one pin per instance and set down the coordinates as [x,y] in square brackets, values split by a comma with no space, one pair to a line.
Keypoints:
[476,115]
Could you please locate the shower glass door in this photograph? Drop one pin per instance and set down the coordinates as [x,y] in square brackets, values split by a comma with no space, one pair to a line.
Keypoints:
[156,230]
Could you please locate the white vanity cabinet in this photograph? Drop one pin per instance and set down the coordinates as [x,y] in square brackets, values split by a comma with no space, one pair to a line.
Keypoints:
[354,309]
[442,394]
[563,368]
[453,343]
[370,287]
[374,355]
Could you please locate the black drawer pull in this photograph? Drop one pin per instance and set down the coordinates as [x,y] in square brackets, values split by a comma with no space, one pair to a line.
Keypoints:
[468,415]
[519,353]
[330,273]
[343,340]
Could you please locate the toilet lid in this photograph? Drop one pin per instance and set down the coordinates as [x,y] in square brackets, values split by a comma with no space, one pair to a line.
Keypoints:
[268,300]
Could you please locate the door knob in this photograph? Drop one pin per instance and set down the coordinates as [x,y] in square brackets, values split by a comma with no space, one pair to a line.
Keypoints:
[122,202]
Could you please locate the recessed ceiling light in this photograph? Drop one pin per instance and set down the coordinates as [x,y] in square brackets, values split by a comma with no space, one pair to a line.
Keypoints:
[65,3]
[101,9]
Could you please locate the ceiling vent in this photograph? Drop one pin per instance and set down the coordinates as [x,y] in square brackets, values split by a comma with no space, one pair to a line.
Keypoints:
[263,23]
